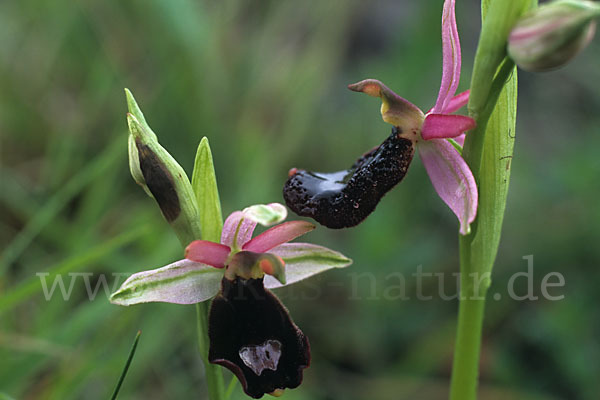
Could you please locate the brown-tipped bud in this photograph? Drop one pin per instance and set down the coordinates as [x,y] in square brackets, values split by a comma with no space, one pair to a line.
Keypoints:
[153,168]
[551,35]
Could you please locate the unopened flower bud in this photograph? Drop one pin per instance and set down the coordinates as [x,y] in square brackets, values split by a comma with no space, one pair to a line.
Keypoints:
[153,168]
[551,35]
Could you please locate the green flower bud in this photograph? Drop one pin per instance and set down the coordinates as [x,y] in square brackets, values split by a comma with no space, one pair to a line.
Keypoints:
[551,35]
[153,168]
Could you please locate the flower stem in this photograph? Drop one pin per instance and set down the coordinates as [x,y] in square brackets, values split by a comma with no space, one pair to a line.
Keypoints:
[214,375]
[487,159]
[465,366]
[488,151]
[467,348]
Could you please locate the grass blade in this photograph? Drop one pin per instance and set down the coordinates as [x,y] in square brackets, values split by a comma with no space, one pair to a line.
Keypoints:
[31,286]
[127,364]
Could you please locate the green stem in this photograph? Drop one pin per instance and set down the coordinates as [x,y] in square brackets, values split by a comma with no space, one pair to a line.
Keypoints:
[214,375]
[475,271]
[468,345]
[488,151]
[473,149]
[213,372]
[473,289]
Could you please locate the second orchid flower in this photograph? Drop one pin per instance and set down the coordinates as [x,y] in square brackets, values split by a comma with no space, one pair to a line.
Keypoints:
[343,199]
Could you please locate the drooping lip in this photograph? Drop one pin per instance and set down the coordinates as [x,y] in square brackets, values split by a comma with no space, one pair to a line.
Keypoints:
[345,198]
[245,314]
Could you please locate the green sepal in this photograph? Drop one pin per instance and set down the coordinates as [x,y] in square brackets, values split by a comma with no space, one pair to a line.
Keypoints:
[135,110]
[204,184]
[182,282]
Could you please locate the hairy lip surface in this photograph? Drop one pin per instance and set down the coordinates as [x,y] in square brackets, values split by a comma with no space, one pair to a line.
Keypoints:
[345,198]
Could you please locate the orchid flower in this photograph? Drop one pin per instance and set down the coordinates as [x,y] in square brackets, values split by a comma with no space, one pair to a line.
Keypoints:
[345,198]
[250,331]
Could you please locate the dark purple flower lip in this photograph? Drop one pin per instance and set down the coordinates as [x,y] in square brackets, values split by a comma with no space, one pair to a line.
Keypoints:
[345,198]
[252,334]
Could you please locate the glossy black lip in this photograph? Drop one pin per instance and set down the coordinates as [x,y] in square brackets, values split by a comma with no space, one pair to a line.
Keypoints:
[345,198]
[244,314]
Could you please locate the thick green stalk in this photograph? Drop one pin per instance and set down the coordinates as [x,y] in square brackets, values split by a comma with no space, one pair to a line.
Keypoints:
[490,163]
[488,151]
[468,345]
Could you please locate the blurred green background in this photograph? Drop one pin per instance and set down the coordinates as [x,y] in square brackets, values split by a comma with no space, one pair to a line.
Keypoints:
[265,81]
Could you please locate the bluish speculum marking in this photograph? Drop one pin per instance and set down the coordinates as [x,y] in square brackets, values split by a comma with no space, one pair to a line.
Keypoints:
[345,198]
[261,357]
[325,183]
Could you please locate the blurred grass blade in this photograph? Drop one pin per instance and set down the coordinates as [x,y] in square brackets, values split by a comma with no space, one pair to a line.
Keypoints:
[204,183]
[127,364]
[230,388]
[94,170]
[32,286]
